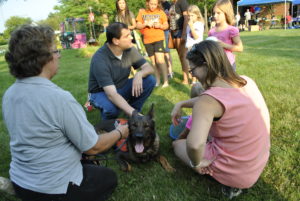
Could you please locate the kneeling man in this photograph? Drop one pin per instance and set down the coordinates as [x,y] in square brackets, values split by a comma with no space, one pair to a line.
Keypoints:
[110,88]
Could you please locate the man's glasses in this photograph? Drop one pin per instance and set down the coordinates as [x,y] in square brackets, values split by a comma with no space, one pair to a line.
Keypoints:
[56,51]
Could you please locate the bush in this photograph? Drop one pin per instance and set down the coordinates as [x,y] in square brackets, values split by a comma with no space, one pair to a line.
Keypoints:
[87,52]
[102,39]
[3,41]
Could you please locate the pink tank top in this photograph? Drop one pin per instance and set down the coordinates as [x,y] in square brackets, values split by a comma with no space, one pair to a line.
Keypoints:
[241,138]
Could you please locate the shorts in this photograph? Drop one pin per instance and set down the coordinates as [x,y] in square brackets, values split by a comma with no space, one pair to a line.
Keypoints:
[151,48]
[176,33]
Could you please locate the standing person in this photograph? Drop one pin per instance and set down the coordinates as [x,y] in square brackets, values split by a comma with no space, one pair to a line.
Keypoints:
[237,19]
[195,28]
[247,16]
[124,15]
[105,21]
[228,36]
[48,128]
[110,88]
[288,20]
[229,138]
[178,24]
[168,59]
[154,21]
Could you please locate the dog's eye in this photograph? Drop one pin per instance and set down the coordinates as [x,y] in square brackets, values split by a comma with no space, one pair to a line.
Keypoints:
[133,125]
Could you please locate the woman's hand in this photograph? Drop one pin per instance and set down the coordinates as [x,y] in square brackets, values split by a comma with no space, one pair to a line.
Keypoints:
[191,24]
[204,167]
[176,114]
[123,128]
[184,134]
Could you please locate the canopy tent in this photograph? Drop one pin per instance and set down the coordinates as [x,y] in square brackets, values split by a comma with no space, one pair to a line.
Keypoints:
[261,2]
[265,2]
[296,2]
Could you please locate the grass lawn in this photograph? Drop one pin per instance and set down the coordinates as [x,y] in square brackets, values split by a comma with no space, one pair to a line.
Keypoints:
[270,57]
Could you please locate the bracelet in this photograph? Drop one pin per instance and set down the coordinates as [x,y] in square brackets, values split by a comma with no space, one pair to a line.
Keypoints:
[194,166]
[119,133]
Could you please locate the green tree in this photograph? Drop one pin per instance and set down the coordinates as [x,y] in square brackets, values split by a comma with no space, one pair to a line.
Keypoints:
[81,8]
[53,20]
[14,22]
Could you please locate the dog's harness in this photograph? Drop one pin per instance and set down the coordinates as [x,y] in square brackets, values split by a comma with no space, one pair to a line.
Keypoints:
[121,145]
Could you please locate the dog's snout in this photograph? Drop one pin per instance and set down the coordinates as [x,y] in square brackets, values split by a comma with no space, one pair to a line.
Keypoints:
[139,135]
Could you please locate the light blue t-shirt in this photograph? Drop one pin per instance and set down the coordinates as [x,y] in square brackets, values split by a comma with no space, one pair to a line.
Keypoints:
[48,132]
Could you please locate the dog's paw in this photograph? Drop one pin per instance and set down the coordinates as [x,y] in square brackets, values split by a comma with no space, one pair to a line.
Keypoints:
[125,166]
[165,164]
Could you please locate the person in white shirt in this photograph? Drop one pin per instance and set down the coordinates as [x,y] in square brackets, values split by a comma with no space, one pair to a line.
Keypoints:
[195,28]
[247,17]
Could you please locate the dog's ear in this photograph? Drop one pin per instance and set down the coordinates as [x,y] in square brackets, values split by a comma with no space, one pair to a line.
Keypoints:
[151,111]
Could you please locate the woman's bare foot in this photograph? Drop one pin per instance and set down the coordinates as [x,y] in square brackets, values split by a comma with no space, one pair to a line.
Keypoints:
[165,85]
[185,82]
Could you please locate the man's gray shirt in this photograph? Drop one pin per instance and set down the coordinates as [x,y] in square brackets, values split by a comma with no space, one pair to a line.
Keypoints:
[48,132]
[106,69]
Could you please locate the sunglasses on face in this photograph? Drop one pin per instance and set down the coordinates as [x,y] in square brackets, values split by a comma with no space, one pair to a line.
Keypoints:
[56,51]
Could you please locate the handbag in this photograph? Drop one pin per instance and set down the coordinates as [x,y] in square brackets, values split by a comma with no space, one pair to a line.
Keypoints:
[170,41]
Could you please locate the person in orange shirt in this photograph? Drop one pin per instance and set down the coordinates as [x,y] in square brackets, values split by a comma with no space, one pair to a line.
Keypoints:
[153,21]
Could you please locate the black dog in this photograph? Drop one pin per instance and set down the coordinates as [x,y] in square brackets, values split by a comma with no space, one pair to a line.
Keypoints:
[142,142]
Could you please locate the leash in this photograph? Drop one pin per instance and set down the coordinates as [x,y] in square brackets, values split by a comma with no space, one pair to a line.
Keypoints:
[99,159]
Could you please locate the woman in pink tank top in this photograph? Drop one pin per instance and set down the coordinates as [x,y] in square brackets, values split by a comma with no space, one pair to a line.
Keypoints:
[232,114]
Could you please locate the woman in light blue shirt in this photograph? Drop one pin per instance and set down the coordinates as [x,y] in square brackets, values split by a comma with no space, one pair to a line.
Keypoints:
[48,128]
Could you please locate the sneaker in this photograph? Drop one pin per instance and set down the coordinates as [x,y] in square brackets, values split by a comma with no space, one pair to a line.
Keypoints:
[88,106]
[171,75]
[6,186]
[231,192]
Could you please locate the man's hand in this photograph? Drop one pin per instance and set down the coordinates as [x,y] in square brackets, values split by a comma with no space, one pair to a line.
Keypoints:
[137,84]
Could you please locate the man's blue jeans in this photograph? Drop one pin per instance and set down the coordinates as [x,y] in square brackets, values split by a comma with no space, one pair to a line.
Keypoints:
[110,111]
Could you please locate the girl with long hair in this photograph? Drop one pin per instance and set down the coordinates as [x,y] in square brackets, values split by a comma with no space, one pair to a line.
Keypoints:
[226,33]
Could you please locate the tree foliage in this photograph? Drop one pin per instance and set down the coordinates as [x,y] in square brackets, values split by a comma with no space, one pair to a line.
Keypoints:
[81,9]
[13,23]
[53,20]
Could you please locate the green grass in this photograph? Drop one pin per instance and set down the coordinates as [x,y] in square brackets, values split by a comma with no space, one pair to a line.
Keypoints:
[270,57]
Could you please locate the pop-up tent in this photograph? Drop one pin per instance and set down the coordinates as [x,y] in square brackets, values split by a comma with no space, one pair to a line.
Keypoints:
[266,2]
[296,2]
[261,2]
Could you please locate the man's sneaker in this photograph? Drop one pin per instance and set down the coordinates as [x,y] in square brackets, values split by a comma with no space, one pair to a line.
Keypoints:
[6,186]
[231,192]
[88,106]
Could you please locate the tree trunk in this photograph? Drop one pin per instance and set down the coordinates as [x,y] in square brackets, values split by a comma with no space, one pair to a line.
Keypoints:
[206,17]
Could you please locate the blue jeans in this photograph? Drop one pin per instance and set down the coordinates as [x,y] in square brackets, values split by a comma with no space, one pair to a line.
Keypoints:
[111,111]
